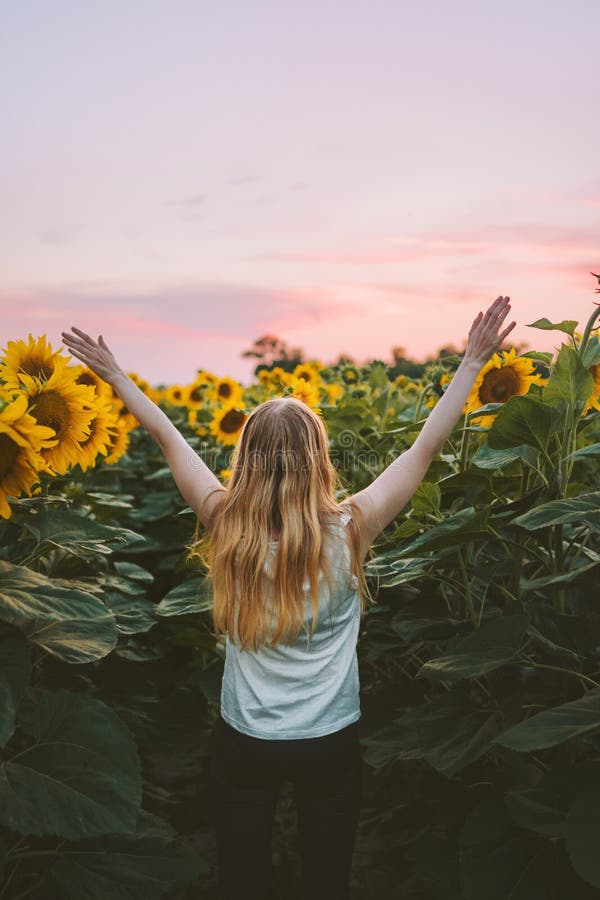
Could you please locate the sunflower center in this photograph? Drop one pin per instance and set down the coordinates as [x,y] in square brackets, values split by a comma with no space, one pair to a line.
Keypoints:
[36,366]
[8,454]
[52,410]
[224,390]
[498,385]
[232,421]
[86,378]
[196,395]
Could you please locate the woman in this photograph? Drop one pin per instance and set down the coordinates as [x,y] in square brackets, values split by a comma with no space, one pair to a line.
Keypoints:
[285,557]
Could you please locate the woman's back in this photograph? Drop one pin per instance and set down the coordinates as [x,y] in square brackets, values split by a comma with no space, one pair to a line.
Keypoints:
[310,687]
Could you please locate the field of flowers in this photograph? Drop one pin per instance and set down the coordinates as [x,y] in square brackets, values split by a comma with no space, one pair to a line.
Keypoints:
[479,667]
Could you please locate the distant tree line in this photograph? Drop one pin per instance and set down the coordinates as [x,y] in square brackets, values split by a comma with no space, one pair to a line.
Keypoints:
[272,351]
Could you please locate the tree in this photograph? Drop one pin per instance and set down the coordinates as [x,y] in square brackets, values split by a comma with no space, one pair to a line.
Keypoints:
[273,351]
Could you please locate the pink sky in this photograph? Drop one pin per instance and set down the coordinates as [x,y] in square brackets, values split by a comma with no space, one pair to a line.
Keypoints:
[187,177]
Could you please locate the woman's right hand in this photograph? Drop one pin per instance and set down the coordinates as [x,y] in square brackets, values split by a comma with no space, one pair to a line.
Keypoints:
[484,339]
[97,356]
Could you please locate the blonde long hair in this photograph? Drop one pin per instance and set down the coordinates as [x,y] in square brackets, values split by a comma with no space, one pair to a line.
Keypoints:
[282,486]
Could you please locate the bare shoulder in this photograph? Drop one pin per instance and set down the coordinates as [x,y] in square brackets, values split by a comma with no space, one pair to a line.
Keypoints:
[365,519]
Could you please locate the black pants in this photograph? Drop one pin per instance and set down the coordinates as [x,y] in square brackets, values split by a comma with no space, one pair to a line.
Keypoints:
[245,774]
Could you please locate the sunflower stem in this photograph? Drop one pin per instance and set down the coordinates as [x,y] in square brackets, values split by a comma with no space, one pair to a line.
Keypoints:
[464,445]
[588,330]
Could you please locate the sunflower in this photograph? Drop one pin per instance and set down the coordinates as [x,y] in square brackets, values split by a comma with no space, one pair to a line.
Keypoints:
[593,401]
[35,358]
[200,391]
[67,407]
[307,371]
[227,424]
[500,379]
[207,377]
[21,440]
[400,380]
[119,442]
[126,419]
[175,395]
[101,438]
[304,391]
[333,391]
[350,374]
[225,474]
[85,375]
[228,390]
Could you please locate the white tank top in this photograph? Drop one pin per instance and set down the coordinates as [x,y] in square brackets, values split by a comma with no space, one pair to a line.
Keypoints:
[311,687]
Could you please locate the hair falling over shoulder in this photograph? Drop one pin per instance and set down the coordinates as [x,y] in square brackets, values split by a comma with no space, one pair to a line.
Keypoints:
[282,488]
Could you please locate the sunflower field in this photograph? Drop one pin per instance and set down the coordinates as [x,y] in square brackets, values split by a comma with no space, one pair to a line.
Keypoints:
[479,665]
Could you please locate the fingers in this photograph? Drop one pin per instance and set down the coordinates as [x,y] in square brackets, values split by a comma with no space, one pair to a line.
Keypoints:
[506,330]
[83,335]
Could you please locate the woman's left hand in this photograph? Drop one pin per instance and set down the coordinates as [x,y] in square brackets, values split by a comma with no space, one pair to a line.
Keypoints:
[95,355]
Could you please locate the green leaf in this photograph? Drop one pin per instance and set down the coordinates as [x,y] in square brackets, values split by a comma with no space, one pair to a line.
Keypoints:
[523,420]
[581,510]
[466,525]
[554,726]
[139,866]
[82,776]
[591,354]
[71,624]
[15,654]
[582,834]
[133,615]
[133,571]
[568,326]
[531,584]
[569,381]
[453,733]
[76,533]
[589,450]
[397,741]
[489,458]
[485,649]
[500,862]
[427,498]
[447,732]
[538,354]
[191,596]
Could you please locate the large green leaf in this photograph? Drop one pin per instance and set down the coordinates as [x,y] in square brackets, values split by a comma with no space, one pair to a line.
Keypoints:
[530,584]
[15,668]
[487,648]
[582,452]
[191,596]
[488,458]
[400,571]
[453,733]
[581,510]
[71,624]
[523,420]
[466,525]
[554,726]
[448,732]
[582,834]
[397,741]
[140,866]
[569,381]
[568,326]
[501,862]
[81,777]
[76,533]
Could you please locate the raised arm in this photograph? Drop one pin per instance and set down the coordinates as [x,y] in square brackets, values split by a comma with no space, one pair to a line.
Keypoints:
[196,482]
[383,499]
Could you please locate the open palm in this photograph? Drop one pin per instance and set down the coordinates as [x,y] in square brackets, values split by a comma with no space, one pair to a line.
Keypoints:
[484,339]
[95,355]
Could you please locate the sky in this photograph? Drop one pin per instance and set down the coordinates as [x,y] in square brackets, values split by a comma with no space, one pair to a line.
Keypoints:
[187,177]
